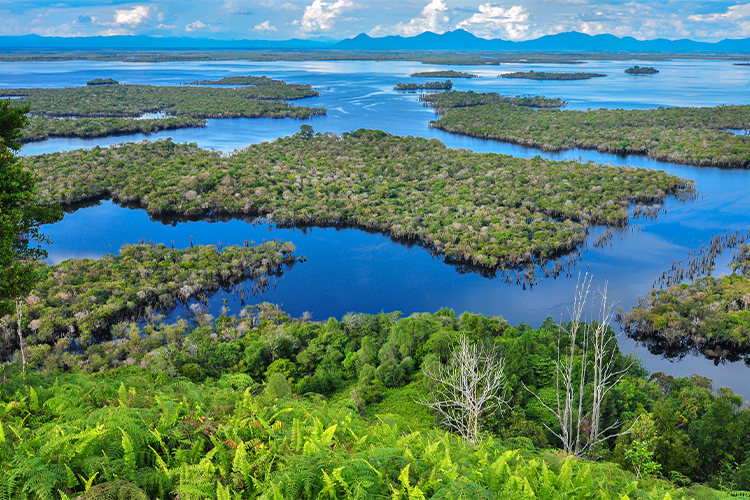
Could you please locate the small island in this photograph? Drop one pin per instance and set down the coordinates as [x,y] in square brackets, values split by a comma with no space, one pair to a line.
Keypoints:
[543,75]
[239,80]
[742,64]
[103,81]
[637,70]
[444,74]
[446,85]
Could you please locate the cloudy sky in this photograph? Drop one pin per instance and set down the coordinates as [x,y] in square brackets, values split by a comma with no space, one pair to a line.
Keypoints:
[337,19]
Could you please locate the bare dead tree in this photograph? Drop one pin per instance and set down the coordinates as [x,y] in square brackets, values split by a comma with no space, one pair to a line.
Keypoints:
[472,386]
[596,347]
[19,304]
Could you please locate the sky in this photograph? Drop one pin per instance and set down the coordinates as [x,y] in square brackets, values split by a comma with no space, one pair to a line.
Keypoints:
[708,20]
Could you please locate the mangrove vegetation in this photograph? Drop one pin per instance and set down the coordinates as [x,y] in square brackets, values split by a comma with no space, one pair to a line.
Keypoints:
[246,80]
[544,75]
[486,209]
[456,99]
[694,136]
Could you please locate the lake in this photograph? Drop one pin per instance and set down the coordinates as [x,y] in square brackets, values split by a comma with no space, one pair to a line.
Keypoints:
[352,270]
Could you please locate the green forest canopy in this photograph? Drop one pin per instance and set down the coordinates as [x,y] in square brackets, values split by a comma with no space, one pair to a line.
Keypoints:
[486,209]
[681,135]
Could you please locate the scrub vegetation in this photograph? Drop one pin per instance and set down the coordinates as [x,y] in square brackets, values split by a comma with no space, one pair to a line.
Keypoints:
[680,135]
[42,128]
[485,209]
[246,80]
[121,101]
[543,75]
[457,99]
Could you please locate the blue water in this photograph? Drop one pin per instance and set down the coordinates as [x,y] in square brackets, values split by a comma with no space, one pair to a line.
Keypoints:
[351,270]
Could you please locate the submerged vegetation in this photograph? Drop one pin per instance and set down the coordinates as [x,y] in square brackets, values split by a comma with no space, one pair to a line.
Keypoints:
[680,135]
[121,101]
[543,75]
[444,74]
[42,128]
[710,315]
[486,209]
[446,85]
[102,81]
[637,70]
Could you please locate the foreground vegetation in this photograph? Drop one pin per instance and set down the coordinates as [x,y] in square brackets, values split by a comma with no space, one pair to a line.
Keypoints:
[710,315]
[444,74]
[42,128]
[120,101]
[446,85]
[543,75]
[680,135]
[264,406]
[485,209]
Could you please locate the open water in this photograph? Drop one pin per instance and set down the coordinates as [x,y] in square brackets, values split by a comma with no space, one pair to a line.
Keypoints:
[352,270]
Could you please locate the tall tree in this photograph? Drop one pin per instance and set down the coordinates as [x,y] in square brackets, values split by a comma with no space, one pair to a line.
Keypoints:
[20,216]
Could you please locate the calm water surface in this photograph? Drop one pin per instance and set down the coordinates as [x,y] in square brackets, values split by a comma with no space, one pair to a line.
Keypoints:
[351,270]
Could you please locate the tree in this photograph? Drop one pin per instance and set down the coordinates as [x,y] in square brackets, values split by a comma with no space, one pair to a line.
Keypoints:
[470,388]
[586,353]
[20,218]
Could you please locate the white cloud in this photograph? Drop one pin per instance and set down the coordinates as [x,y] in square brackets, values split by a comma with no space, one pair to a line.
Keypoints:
[200,25]
[132,17]
[264,27]
[163,26]
[289,6]
[491,20]
[321,16]
[432,18]
[733,13]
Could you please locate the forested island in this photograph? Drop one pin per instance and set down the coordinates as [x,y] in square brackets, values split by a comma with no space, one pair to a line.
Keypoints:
[244,80]
[456,99]
[102,110]
[484,209]
[444,74]
[742,64]
[638,70]
[446,85]
[42,128]
[681,135]
[710,315]
[543,75]
[103,81]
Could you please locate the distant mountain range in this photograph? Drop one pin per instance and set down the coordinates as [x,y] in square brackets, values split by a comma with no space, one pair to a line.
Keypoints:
[571,41]
[451,40]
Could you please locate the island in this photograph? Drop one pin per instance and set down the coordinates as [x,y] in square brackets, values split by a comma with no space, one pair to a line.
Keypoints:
[102,81]
[446,85]
[694,136]
[543,75]
[444,74]
[246,80]
[638,70]
[742,64]
[355,179]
